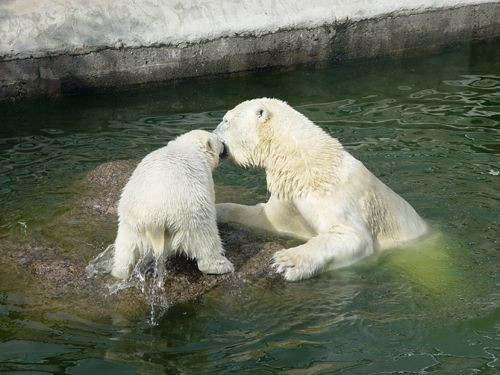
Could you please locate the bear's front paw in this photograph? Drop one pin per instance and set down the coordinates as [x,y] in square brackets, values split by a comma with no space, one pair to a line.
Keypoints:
[216,266]
[293,264]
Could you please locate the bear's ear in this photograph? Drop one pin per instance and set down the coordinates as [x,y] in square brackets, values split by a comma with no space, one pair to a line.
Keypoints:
[211,146]
[262,114]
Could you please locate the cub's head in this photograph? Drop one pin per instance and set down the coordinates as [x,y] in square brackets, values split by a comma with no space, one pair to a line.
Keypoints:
[208,142]
[246,128]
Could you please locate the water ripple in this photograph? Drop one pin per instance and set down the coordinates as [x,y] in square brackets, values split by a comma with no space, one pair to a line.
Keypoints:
[432,134]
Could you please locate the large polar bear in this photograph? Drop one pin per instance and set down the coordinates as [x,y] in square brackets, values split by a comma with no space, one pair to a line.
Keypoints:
[168,205]
[319,192]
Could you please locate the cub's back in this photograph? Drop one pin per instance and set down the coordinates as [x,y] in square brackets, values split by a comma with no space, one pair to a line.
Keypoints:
[170,182]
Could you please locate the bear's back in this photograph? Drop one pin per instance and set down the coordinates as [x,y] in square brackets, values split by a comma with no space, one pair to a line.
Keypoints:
[390,217]
[170,185]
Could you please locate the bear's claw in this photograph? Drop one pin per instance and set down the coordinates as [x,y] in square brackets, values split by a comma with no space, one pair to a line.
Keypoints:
[292,264]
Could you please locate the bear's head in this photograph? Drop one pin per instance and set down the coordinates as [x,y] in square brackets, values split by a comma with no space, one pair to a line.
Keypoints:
[297,154]
[207,142]
[245,129]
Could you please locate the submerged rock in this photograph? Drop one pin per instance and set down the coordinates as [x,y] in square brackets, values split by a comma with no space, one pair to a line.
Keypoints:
[56,254]
[107,180]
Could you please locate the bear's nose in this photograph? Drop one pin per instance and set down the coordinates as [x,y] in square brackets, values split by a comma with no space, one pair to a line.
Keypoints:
[218,129]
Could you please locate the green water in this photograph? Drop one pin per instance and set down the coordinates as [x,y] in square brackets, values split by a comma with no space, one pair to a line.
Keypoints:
[428,127]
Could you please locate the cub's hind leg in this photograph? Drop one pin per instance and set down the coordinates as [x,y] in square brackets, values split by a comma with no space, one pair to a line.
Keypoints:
[127,244]
[204,245]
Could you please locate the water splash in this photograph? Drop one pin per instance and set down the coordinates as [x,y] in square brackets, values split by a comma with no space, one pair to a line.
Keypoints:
[148,276]
[102,263]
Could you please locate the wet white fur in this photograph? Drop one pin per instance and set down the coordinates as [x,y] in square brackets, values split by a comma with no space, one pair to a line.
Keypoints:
[168,205]
[319,192]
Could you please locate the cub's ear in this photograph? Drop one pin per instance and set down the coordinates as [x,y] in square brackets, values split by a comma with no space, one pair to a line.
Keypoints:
[213,146]
[262,114]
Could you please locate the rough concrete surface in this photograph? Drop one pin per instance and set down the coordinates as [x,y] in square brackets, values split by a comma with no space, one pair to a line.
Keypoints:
[54,256]
[53,47]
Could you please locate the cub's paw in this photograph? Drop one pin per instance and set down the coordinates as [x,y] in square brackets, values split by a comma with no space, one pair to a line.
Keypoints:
[293,264]
[216,266]
[121,273]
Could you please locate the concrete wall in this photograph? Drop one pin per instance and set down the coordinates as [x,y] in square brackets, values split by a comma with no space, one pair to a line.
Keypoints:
[50,47]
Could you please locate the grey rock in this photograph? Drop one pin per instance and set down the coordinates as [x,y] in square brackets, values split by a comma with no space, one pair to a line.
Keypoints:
[54,256]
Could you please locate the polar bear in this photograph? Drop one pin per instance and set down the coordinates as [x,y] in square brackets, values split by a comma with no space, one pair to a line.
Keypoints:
[318,191]
[168,205]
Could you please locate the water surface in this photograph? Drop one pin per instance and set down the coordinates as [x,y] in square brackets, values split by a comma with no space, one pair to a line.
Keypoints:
[428,127]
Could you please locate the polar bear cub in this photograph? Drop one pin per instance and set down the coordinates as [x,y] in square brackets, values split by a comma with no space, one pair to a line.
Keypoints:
[168,206]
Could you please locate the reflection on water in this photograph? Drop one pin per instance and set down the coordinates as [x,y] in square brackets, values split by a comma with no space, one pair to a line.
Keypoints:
[429,128]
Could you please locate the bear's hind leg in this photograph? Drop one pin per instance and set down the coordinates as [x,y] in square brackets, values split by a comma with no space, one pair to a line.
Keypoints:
[125,252]
[206,248]
[161,246]
[156,237]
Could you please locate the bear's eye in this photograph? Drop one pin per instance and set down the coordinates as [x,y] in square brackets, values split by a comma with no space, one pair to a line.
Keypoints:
[260,112]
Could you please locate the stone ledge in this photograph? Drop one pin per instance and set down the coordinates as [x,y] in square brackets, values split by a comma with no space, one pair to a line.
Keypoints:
[394,34]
